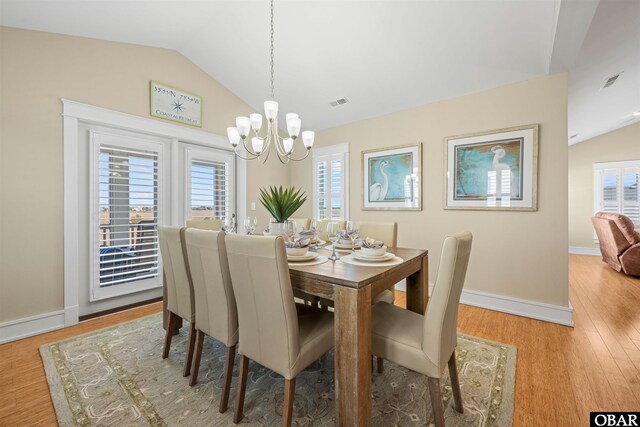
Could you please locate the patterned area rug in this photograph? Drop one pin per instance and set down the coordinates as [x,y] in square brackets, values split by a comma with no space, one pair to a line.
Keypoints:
[116,377]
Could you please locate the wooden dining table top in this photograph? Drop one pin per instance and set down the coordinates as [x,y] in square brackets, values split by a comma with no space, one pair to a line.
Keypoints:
[354,276]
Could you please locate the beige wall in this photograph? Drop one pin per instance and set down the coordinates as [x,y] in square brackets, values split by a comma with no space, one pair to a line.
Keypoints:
[518,254]
[619,145]
[36,70]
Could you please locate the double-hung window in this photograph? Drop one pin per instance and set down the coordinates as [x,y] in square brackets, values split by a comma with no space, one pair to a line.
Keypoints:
[126,208]
[330,180]
[616,188]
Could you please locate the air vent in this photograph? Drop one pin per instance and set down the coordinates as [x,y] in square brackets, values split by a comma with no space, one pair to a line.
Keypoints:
[573,136]
[339,101]
[611,80]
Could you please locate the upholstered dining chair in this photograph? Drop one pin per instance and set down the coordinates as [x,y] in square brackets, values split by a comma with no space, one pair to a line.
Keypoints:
[205,224]
[179,289]
[274,331]
[426,344]
[302,222]
[216,314]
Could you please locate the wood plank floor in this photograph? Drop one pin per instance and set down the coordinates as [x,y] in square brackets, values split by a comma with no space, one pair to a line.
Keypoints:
[562,373]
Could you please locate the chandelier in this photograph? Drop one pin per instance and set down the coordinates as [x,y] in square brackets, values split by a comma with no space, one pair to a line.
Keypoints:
[260,146]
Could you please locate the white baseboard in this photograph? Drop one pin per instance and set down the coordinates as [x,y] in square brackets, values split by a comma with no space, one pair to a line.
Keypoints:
[519,307]
[577,250]
[33,325]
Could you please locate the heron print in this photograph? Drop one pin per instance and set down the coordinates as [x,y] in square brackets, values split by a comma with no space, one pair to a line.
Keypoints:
[389,178]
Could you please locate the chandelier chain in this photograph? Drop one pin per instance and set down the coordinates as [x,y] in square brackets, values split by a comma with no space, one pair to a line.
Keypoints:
[272,68]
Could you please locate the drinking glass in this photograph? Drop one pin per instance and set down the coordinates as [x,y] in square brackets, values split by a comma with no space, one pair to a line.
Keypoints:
[353,235]
[254,226]
[290,228]
[247,225]
[229,224]
[316,234]
[333,234]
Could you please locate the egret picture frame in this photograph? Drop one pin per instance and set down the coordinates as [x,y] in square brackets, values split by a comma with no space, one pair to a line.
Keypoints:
[392,178]
[494,170]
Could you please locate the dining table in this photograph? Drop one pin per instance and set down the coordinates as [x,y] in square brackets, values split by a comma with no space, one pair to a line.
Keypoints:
[353,288]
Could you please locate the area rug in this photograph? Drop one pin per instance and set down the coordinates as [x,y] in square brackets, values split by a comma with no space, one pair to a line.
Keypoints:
[116,377]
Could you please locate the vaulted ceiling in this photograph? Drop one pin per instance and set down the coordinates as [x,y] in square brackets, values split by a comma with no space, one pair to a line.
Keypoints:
[383,56]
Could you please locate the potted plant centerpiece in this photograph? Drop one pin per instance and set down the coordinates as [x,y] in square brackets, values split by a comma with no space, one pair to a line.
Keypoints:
[281,204]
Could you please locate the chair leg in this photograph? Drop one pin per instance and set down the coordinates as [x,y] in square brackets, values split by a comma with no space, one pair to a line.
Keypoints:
[242,388]
[191,343]
[289,394]
[195,366]
[436,401]
[380,364]
[455,383]
[169,334]
[228,373]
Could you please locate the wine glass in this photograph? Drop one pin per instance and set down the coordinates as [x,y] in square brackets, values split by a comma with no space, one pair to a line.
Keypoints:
[290,228]
[316,234]
[333,234]
[247,225]
[254,225]
[229,224]
[352,232]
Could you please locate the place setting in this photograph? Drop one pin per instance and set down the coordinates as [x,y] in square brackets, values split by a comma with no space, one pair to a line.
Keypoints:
[299,253]
[371,253]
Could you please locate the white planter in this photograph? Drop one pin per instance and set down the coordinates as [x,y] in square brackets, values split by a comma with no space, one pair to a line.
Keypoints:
[276,229]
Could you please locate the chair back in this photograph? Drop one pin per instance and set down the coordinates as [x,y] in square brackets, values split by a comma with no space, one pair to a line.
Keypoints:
[386,232]
[302,222]
[267,315]
[179,290]
[322,228]
[439,337]
[205,224]
[216,313]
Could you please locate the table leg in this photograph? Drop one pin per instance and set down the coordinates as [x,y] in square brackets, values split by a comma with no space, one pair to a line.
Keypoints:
[353,356]
[418,288]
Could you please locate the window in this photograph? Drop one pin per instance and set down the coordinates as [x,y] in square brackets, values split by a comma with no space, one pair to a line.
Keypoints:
[210,177]
[330,177]
[127,206]
[616,188]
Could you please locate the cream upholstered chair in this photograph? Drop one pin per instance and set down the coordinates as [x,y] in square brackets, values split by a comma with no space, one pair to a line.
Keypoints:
[302,222]
[179,290]
[386,232]
[216,313]
[322,228]
[426,344]
[205,224]
[274,331]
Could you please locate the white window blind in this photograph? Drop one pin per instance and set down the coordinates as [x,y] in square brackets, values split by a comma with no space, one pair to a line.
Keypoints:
[127,174]
[210,189]
[616,188]
[330,177]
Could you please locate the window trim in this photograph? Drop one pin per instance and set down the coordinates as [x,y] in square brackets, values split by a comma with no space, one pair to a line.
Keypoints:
[331,150]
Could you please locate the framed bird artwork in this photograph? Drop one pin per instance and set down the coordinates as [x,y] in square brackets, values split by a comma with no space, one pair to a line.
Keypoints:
[392,178]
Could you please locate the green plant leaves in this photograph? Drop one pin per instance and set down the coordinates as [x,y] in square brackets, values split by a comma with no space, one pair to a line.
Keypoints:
[282,203]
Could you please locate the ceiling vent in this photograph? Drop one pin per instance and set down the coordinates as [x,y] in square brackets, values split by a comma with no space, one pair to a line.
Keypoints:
[611,80]
[339,101]
[573,136]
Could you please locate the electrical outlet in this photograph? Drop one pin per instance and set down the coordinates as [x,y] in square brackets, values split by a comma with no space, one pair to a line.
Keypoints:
[253,206]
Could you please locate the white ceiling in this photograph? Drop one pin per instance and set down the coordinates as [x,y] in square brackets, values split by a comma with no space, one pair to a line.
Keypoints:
[383,56]
[612,45]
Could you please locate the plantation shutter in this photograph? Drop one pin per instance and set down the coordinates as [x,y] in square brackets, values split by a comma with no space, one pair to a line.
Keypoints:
[330,185]
[210,188]
[127,174]
[617,188]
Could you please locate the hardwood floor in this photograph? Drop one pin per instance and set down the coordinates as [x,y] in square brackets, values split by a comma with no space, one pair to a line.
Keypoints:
[562,373]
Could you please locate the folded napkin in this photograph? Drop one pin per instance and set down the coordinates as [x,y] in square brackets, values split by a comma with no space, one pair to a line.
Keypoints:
[297,243]
[372,243]
[307,233]
[346,234]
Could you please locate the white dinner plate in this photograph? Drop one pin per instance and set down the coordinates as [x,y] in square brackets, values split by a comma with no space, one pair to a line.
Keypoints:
[306,257]
[361,257]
